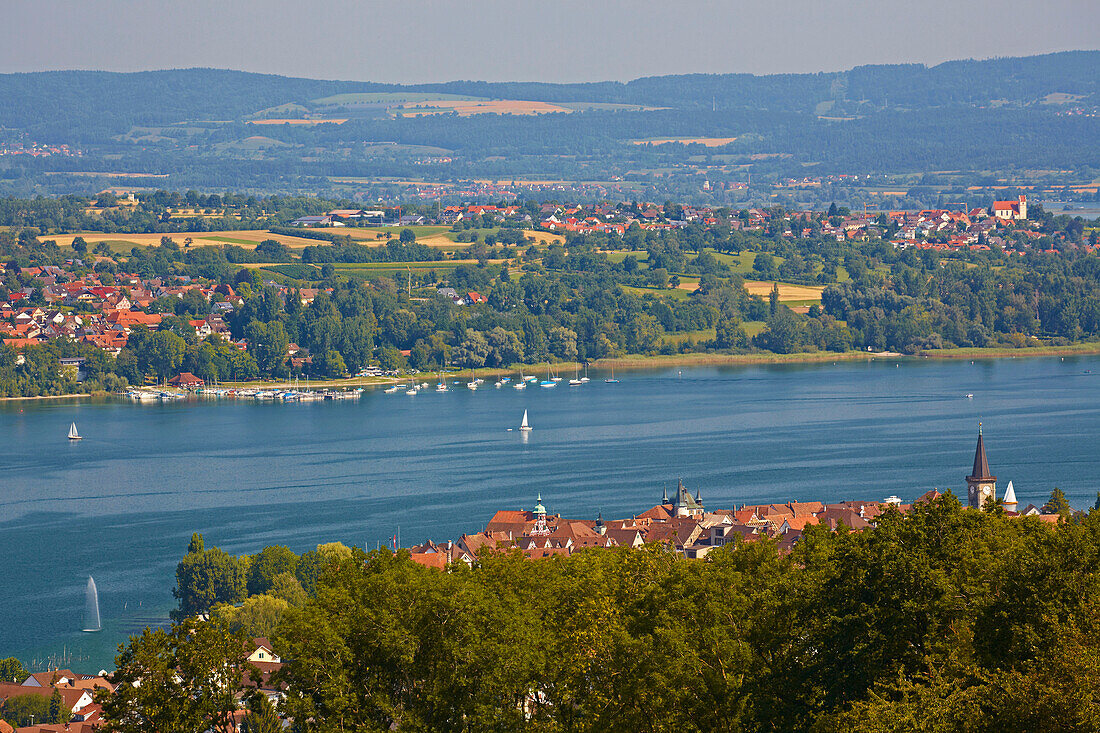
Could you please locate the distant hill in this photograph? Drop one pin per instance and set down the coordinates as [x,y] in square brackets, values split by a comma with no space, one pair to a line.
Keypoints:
[77,106]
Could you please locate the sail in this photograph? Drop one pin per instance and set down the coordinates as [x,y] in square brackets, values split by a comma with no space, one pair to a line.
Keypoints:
[524,423]
[72,431]
[91,607]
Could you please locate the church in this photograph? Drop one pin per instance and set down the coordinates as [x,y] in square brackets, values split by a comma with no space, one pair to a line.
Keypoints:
[981,485]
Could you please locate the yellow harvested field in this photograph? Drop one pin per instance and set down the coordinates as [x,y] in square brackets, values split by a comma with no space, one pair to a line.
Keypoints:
[787,292]
[465,108]
[247,239]
[298,122]
[250,238]
[710,142]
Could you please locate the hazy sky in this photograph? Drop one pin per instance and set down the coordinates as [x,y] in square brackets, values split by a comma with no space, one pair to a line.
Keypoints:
[550,40]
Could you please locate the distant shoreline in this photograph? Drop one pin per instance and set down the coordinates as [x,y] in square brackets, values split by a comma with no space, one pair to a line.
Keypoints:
[639,362]
[47,397]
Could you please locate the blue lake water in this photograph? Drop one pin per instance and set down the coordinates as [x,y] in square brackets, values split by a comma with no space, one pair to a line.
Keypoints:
[121,504]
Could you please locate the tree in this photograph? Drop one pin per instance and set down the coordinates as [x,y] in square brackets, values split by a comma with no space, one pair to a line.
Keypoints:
[206,578]
[56,712]
[267,343]
[563,343]
[730,334]
[257,616]
[1058,504]
[407,236]
[473,351]
[262,717]
[22,710]
[268,563]
[79,245]
[182,680]
[11,670]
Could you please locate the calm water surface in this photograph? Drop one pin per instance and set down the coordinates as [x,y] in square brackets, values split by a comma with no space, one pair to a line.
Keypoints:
[121,504]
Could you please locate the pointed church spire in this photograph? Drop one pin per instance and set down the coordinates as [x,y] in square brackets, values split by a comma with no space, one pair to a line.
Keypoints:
[981,464]
[664,494]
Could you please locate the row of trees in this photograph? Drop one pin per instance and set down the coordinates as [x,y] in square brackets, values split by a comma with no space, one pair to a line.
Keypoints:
[941,619]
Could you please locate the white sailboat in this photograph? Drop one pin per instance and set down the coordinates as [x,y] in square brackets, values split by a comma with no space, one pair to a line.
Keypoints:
[523,425]
[612,380]
[522,383]
[472,384]
[576,380]
[73,435]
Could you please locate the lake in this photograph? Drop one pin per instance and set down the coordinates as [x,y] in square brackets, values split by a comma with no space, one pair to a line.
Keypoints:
[121,504]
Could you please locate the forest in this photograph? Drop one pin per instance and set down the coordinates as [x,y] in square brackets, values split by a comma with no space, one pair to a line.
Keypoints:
[939,619]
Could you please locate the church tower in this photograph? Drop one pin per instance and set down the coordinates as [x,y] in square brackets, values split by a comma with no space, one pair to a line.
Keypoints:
[541,528]
[981,486]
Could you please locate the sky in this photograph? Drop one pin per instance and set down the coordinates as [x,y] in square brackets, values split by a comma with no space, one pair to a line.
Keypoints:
[410,41]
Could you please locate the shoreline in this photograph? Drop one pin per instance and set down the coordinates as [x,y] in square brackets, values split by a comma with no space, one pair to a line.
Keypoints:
[48,397]
[641,362]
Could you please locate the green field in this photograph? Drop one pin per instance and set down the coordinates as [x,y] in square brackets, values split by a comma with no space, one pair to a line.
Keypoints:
[753,327]
[620,255]
[674,293]
[371,234]
[740,263]
[706,334]
[372,270]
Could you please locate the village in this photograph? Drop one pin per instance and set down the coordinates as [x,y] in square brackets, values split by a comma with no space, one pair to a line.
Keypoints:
[83,302]
[683,523]
[73,701]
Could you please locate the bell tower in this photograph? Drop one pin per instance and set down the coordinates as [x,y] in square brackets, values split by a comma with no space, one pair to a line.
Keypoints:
[981,485]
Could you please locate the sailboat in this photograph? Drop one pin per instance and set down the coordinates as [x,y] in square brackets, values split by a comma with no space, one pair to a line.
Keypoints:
[576,380]
[612,380]
[522,383]
[548,383]
[523,425]
[442,386]
[73,435]
[584,379]
[472,384]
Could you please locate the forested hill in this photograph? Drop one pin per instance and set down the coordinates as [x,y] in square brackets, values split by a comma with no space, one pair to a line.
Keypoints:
[1023,80]
[49,104]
